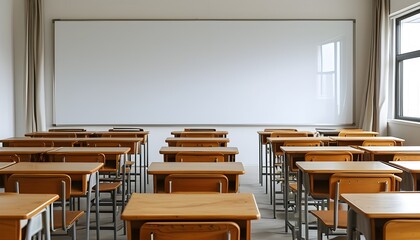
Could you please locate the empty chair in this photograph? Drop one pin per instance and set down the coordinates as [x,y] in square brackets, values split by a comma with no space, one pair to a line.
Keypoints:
[288,134]
[409,156]
[340,183]
[402,229]
[354,133]
[198,134]
[189,231]
[379,142]
[59,184]
[217,183]
[7,157]
[199,157]
[328,156]
[197,144]
[31,143]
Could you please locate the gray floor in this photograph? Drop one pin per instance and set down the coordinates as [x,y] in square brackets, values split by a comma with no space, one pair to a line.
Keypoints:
[266,228]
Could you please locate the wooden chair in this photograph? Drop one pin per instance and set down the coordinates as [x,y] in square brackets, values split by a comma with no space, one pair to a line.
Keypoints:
[105,185]
[66,130]
[379,142]
[200,183]
[197,144]
[59,184]
[357,134]
[402,229]
[410,156]
[199,129]
[340,183]
[58,135]
[197,135]
[199,157]
[190,231]
[288,134]
[7,157]
[30,143]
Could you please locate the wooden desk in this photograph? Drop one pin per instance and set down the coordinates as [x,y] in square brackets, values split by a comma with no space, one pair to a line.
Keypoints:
[27,154]
[292,152]
[237,207]
[59,134]
[370,211]
[386,153]
[17,207]
[216,133]
[173,141]
[5,164]
[84,177]
[358,141]
[160,170]
[411,175]
[58,142]
[327,169]
[170,152]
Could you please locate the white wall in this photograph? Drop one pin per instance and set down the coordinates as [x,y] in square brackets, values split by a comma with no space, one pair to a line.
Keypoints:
[6,69]
[245,138]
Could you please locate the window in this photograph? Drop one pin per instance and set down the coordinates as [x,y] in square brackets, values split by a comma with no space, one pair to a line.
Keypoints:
[408,67]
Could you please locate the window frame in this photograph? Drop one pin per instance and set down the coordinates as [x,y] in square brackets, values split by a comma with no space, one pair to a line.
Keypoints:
[399,58]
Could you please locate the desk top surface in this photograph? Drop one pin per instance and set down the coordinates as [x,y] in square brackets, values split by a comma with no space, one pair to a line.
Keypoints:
[23,206]
[268,133]
[226,206]
[26,150]
[52,167]
[297,139]
[6,164]
[367,138]
[385,205]
[54,139]
[390,149]
[196,167]
[104,150]
[335,167]
[199,132]
[172,150]
[408,166]
[198,139]
[299,149]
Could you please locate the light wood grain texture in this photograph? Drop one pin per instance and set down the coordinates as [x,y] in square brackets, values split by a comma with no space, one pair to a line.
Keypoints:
[358,141]
[170,152]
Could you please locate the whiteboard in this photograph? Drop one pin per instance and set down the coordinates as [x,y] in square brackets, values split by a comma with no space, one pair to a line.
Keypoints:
[209,72]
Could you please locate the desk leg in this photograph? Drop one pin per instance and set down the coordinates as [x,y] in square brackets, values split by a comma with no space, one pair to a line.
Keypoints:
[351,224]
[97,205]
[286,192]
[93,180]
[260,166]
[299,204]
[270,166]
[46,221]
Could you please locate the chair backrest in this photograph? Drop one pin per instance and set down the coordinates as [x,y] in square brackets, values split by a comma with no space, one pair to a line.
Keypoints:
[359,183]
[195,134]
[67,130]
[197,144]
[58,135]
[356,134]
[199,129]
[9,157]
[30,143]
[80,157]
[59,184]
[402,229]
[379,142]
[410,156]
[217,183]
[329,156]
[189,231]
[288,134]
[199,157]
[307,143]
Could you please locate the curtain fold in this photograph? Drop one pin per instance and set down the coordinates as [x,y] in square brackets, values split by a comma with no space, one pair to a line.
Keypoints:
[34,66]
[375,112]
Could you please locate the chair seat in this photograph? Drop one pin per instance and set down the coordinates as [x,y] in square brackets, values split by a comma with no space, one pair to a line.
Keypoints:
[109,186]
[71,217]
[327,217]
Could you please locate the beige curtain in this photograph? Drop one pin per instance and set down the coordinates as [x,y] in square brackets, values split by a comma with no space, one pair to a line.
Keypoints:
[34,66]
[375,112]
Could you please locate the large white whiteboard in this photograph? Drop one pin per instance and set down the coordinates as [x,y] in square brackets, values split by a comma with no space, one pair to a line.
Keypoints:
[210,72]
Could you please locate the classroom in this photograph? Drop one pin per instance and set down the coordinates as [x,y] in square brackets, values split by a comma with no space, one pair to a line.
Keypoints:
[235,66]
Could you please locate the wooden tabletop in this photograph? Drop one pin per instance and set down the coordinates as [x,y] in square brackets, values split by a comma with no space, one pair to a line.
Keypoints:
[52,134]
[216,133]
[335,167]
[174,150]
[297,139]
[53,139]
[52,167]
[408,166]
[389,149]
[26,150]
[113,139]
[23,206]
[367,138]
[385,205]
[231,206]
[5,164]
[196,167]
[104,150]
[198,139]
[299,149]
